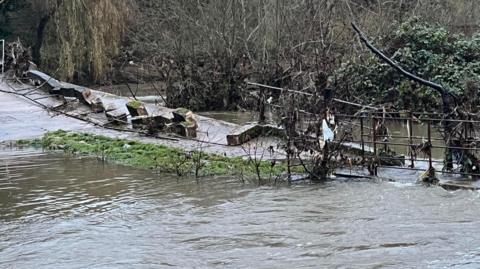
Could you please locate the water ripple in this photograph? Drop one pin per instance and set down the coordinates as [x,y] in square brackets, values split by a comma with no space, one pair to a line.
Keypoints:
[62,212]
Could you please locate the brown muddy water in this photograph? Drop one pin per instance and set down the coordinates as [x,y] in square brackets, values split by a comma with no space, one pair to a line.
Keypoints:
[62,212]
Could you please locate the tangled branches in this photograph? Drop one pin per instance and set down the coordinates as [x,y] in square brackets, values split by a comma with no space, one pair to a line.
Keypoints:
[18,58]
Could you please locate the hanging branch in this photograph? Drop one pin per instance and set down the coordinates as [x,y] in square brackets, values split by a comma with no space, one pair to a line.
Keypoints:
[131,91]
[439,88]
[449,100]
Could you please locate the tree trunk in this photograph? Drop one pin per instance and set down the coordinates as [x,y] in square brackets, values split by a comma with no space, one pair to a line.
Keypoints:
[40,35]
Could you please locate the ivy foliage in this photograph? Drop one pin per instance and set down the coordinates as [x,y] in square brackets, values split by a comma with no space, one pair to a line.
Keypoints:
[451,60]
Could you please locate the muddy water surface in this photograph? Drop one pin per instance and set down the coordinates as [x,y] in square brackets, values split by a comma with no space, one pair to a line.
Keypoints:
[62,212]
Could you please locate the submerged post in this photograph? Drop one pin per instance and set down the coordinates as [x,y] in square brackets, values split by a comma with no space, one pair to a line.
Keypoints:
[429,134]
[429,177]
[410,139]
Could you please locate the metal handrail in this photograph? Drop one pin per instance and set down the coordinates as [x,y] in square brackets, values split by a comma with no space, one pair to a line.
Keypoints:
[2,62]
[405,119]
[370,137]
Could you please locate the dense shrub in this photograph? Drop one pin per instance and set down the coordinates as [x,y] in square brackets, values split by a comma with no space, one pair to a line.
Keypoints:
[428,51]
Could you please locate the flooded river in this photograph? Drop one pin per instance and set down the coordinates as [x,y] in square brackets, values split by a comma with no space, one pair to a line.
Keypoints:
[62,212]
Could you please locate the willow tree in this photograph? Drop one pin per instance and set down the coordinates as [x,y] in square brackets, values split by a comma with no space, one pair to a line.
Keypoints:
[77,39]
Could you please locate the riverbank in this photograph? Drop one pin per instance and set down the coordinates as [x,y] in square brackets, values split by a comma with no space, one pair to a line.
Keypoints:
[158,157]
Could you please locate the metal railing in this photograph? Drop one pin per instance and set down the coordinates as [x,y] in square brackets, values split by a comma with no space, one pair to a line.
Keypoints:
[466,143]
[370,137]
[2,62]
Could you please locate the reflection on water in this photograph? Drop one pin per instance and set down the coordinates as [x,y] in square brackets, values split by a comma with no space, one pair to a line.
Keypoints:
[229,116]
[398,129]
[421,132]
[60,212]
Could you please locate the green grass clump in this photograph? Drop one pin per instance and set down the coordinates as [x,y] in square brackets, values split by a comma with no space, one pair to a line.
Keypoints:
[152,156]
[135,104]
[36,143]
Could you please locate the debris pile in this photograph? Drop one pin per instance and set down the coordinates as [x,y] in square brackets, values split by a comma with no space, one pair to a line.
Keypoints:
[18,59]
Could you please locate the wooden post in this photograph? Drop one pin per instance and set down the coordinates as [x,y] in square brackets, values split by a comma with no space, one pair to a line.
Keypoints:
[3,57]
[429,134]
[374,144]
[465,128]
[361,139]
[261,103]
[410,139]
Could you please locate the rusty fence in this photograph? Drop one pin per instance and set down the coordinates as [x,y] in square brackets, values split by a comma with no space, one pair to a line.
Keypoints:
[371,142]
